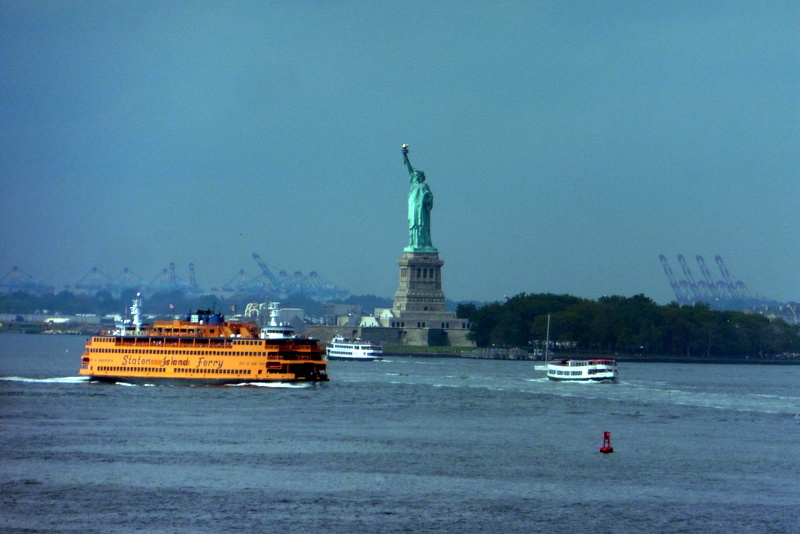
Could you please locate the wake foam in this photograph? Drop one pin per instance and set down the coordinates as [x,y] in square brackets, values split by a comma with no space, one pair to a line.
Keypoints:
[283,385]
[62,380]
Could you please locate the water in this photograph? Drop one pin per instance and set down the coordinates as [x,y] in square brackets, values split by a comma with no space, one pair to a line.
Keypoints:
[406,445]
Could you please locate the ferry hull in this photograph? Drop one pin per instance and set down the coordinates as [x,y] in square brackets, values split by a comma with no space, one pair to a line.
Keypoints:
[355,358]
[586,379]
[149,381]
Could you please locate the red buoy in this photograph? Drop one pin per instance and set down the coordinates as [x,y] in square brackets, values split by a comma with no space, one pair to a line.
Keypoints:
[606,448]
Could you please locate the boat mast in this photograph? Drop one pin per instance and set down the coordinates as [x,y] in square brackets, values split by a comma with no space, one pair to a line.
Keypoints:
[547,341]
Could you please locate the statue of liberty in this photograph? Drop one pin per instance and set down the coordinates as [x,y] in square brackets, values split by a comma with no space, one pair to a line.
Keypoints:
[420,203]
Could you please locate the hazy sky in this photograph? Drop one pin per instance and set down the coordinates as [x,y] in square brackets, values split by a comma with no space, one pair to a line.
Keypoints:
[567,144]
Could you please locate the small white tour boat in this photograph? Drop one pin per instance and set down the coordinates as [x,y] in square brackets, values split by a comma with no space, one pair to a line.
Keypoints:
[341,348]
[598,370]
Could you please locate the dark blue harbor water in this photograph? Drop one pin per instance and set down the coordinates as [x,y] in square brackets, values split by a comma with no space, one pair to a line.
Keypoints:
[407,445]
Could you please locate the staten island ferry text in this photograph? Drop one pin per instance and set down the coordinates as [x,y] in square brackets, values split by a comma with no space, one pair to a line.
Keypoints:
[202,362]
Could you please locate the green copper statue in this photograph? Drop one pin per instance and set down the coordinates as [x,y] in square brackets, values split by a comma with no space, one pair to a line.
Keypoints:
[420,203]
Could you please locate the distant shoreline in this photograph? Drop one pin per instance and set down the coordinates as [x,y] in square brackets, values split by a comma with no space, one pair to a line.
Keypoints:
[661,359]
[465,354]
[620,359]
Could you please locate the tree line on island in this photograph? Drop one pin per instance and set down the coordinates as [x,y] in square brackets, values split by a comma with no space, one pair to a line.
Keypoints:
[630,326]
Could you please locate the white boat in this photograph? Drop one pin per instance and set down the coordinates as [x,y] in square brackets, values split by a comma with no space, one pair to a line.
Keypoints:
[583,370]
[341,348]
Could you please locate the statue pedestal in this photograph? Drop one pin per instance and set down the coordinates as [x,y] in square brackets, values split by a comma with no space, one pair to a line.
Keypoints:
[419,311]
[420,287]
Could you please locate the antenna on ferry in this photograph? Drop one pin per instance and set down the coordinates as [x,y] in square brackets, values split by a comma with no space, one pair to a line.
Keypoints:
[137,319]
[274,310]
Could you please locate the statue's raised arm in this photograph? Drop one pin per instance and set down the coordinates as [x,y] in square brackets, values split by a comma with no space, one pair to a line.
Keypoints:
[405,160]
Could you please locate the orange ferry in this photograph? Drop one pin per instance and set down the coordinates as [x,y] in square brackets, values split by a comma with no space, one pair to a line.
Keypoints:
[202,349]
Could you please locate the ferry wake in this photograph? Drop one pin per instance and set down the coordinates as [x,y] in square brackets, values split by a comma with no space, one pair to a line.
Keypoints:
[202,349]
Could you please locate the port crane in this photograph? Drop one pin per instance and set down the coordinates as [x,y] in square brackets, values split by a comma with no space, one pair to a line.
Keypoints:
[677,288]
[715,288]
[724,291]
[265,270]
